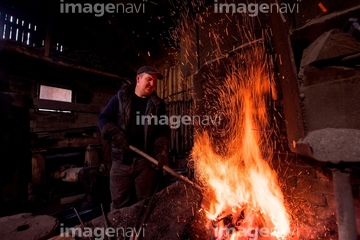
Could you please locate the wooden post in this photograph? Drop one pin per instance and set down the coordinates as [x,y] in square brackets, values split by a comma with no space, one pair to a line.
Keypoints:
[48,36]
[2,20]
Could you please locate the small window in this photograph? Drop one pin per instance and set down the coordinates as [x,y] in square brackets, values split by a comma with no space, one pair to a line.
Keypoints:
[55,94]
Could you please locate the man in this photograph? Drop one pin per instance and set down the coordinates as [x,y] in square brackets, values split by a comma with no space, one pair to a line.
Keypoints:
[119,123]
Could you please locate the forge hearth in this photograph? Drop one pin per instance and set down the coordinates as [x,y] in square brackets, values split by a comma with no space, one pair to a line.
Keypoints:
[178,214]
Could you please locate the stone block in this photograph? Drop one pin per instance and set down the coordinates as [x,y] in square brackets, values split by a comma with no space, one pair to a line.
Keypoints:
[315,199]
[318,186]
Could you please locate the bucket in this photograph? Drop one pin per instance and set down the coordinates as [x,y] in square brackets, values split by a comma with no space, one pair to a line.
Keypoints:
[38,169]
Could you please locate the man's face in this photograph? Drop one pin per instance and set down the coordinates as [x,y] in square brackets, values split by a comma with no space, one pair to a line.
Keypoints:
[145,84]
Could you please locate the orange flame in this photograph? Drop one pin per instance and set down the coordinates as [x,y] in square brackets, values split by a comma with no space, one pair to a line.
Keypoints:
[242,186]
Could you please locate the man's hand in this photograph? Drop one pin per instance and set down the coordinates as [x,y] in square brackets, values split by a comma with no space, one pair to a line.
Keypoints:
[117,136]
[161,145]
[162,160]
[119,140]
[160,148]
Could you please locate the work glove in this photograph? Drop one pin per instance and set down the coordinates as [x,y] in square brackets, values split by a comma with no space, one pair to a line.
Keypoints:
[117,136]
[119,140]
[162,160]
[160,145]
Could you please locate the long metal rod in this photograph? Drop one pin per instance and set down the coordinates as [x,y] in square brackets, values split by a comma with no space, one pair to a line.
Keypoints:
[105,221]
[166,168]
[81,222]
[146,215]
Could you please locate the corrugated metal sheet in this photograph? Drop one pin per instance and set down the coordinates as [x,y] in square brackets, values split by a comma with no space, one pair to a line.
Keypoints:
[177,93]
[174,87]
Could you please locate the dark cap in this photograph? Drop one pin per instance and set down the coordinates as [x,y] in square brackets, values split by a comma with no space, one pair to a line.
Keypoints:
[149,70]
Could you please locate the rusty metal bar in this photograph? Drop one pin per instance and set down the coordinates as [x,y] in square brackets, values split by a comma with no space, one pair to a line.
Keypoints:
[288,83]
[81,222]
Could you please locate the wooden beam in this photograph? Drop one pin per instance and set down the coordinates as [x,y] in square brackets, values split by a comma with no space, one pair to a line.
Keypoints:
[71,199]
[17,48]
[288,83]
[65,106]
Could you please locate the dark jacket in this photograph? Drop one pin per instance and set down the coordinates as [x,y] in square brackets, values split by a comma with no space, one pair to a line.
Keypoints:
[117,115]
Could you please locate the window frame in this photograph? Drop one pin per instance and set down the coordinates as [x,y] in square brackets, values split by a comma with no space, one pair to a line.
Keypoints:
[73,97]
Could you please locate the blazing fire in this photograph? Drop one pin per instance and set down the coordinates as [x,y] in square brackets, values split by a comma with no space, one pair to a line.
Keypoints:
[243,197]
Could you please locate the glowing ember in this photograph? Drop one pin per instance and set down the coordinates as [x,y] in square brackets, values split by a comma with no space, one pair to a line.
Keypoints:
[243,196]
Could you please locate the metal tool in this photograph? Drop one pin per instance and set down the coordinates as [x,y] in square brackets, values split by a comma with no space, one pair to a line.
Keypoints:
[148,206]
[151,200]
[166,168]
[105,221]
[81,222]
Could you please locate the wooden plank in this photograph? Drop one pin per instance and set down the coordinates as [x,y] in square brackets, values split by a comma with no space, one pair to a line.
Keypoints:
[62,237]
[15,99]
[71,199]
[65,106]
[288,82]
